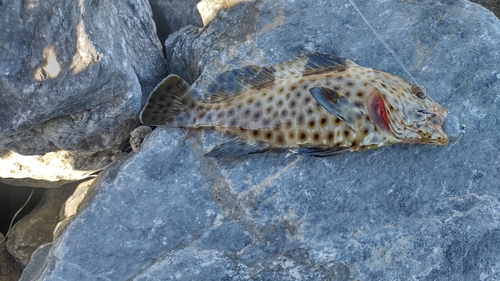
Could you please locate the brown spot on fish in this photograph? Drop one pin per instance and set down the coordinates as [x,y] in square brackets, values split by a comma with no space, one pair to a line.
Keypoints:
[312,123]
[316,136]
[330,135]
[280,139]
[302,136]
[269,109]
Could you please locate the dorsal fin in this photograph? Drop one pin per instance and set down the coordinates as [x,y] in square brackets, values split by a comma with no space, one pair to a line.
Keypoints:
[234,81]
[320,63]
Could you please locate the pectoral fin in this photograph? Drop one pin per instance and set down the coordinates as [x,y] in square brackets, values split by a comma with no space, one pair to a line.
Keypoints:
[337,104]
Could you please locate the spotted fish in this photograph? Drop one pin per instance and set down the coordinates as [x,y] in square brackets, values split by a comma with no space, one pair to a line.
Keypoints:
[317,104]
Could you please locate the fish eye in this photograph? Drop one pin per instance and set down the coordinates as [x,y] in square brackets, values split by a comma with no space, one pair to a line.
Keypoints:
[418,91]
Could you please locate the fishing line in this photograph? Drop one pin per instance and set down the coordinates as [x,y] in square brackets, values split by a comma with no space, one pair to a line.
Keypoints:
[382,41]
[15,215]
[462,132]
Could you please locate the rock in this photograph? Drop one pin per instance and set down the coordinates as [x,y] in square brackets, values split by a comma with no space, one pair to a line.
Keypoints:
[37,228]
[53,169]
[406,212]
[76,82]
[9,269]
[73,205]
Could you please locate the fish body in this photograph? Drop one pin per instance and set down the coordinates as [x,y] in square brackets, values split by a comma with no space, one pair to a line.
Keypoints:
[317,104]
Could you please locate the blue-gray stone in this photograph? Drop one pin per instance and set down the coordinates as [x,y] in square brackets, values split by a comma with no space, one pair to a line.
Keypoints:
[406,212]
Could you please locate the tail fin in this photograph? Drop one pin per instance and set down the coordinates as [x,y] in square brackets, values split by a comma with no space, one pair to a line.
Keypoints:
[171,103]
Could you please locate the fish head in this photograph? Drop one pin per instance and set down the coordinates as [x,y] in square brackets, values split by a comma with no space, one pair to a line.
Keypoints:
[405,111]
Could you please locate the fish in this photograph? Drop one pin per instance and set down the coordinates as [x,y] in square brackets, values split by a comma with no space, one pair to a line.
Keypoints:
[316,105]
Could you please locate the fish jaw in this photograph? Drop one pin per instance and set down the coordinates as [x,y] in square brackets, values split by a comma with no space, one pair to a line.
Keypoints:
[413,117]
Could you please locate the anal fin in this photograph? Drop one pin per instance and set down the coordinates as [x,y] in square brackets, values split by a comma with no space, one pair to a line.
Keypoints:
[320,152]
[237,147]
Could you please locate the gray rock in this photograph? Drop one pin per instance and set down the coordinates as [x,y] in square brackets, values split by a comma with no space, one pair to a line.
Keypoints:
[9,269]
[37,228]
[406,212]
[73,74]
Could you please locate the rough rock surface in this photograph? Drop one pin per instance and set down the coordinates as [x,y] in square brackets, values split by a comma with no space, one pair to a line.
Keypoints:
[9,269]
[73,74]
[37,228]
[409,212]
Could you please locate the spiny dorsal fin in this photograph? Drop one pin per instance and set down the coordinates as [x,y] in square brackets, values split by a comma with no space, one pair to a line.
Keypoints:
[235,81]
[169,104]
[318,63]
[337,104]
[311,64]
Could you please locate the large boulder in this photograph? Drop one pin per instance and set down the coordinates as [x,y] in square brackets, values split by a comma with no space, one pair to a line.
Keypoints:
[407,212]
[73,75]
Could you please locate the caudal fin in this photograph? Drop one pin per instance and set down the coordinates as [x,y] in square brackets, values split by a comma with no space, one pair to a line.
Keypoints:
[171,103]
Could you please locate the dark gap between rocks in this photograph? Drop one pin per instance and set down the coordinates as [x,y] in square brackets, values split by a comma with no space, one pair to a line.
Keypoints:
[11,199]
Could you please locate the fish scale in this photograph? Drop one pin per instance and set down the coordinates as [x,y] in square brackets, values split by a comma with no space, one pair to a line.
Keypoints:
[317,104]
